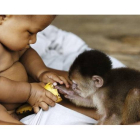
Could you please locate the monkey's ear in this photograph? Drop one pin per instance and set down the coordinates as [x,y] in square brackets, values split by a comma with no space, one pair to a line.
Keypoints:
[98,81]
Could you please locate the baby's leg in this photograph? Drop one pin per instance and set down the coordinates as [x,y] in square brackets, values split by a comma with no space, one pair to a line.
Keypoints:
[6,118]
[11,107]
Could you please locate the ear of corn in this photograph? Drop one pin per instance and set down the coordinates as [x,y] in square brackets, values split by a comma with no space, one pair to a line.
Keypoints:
[54,91]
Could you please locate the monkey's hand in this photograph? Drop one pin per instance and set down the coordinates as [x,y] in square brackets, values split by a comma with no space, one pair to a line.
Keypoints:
[65,91]
[74,97]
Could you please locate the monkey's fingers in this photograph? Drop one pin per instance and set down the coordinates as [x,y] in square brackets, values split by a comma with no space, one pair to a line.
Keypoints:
[60,90]
[69,97]
[64,90]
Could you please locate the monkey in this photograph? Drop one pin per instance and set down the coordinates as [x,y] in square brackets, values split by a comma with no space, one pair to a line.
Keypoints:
[115,93]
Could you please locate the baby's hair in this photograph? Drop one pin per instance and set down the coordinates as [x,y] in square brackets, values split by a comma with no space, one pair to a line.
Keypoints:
[23,16]
[30,17]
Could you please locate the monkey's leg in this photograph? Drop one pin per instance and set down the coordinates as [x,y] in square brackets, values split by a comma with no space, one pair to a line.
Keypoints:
[111,114]
[113,119]
[131,110]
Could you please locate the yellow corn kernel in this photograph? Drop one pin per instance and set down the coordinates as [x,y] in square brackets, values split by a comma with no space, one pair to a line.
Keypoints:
[54,91]
[26,108]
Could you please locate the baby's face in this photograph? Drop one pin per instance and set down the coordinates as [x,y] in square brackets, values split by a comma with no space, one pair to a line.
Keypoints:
[18,32]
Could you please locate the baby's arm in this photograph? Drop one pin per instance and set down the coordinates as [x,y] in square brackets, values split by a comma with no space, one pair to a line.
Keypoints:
[13,92]
[37,69]
[33,63]
[20,92]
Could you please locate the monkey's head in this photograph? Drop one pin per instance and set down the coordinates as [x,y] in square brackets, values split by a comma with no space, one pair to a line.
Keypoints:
[87,72]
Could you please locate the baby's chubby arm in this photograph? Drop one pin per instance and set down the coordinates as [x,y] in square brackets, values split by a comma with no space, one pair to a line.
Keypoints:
[36,68]
[13,91]
[20,92]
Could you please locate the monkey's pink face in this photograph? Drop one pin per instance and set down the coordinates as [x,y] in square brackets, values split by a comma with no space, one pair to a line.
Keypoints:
[82,86]
[75,87]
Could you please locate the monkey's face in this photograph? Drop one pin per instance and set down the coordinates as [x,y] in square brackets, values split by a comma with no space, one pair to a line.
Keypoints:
[83,86]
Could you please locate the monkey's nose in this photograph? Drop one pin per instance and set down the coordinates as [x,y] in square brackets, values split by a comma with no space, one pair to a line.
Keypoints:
[73,86]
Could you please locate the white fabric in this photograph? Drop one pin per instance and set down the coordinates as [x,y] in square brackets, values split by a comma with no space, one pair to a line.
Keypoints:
[58,115]
[58,50]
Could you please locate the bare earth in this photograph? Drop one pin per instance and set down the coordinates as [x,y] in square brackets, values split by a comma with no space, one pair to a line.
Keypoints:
[116,35]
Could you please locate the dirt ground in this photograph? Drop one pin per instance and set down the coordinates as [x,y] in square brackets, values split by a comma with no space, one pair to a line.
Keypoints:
[116,35]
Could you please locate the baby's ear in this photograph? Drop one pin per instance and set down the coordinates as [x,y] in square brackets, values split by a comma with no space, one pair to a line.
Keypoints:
[3,17]
[98,81]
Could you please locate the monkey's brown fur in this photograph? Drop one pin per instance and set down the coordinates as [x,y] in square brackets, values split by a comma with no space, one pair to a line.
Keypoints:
[118,99]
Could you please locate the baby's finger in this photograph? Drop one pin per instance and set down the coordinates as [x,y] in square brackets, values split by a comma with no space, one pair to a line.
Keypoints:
[46,79]
[65,81]
[56,78]
[50,96]
[49,102]
[50,99]
[36,109]
[50,81]
[44,106]
[42,84]
[68,80]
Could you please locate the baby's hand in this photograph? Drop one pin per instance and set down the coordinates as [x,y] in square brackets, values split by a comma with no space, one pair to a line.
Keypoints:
[52,77]
[40,97]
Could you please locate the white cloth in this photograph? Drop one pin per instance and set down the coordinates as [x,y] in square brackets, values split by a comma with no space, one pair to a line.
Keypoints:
[58,115]
[58,50]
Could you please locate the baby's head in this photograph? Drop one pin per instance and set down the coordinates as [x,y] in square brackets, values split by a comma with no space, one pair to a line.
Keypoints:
[19,31]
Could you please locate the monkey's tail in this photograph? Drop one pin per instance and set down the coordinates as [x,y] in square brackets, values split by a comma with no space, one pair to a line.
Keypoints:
[131,110]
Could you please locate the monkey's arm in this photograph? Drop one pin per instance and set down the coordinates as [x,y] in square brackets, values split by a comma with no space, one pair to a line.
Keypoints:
[90,112]
[74,97]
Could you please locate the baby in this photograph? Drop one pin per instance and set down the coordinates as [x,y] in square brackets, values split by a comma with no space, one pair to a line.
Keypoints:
[18,60]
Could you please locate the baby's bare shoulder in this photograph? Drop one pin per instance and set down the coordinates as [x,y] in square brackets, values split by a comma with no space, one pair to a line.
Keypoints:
[7,58]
